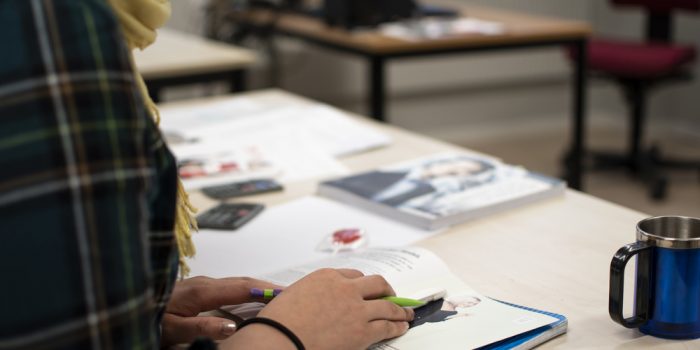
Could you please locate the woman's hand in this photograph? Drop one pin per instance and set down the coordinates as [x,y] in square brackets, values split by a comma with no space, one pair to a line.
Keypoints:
[194,295]
[329,309]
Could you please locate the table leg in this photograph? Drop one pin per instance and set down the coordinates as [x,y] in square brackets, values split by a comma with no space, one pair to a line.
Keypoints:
[575,158]
[377,92]
[156,92]
[238,81]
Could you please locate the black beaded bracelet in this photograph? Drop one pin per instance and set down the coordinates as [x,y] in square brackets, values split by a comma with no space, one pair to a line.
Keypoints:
[276,325]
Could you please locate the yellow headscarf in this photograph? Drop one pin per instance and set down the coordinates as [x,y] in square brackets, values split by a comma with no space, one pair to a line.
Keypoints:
[139,20]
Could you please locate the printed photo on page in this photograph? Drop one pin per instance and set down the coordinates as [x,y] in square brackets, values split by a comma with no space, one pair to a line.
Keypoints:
[442,189]
[437,186]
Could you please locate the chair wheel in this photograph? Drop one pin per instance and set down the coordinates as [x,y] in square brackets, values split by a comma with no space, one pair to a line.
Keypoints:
[659,189]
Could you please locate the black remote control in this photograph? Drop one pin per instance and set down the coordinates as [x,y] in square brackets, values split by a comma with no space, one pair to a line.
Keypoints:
[228,216]
[242,188]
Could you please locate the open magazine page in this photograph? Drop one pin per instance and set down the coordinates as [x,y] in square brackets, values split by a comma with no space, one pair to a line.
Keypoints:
[186,123]
[464,319]
[317,123]
[404,268]
[205,164]
[244,157]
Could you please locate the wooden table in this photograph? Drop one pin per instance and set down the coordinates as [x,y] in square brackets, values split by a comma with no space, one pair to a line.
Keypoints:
[178,58]
[522,31]
[553,255]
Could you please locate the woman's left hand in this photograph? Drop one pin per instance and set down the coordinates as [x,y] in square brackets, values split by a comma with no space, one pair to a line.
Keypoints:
[181,323]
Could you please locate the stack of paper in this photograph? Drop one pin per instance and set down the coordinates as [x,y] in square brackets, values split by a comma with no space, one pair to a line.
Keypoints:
[238,139]
[441,28]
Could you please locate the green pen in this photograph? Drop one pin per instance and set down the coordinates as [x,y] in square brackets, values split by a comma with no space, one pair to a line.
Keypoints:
[405,302]
[268,294]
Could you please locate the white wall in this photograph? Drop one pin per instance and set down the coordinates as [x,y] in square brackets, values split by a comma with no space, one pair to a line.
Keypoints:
[188,15]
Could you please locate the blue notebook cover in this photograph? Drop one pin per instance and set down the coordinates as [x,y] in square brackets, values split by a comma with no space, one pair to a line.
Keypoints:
[533,338]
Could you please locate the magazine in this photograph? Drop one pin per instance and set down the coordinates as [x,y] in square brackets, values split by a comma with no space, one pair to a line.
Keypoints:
[442,189]
[238,139]
[462,319]
[214,163]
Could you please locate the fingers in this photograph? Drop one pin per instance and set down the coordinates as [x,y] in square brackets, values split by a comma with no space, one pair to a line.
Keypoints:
[198,294]
[350,273]
[381,329]
[370,287]
[386,310]
[374,287]
[179,330]
[227,291]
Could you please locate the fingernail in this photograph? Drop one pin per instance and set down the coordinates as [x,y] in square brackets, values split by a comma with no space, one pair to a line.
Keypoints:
[228,328]
[411,314]
[405,326]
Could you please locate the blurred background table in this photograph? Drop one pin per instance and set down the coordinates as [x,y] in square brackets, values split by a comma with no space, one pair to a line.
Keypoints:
[521,31]
[178,58]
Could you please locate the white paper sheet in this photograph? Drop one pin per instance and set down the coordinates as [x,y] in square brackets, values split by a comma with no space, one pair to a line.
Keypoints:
[294,143]
[183,120]
[329,128]
[287,235]
[272,155]
[440,28]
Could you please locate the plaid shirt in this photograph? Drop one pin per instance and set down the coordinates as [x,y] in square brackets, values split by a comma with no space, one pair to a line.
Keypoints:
[87,186]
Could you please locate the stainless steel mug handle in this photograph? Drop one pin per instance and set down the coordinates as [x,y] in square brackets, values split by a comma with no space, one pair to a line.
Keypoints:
[643,289]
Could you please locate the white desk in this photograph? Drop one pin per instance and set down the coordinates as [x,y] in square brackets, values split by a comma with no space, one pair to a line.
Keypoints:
[553,255]
[179,58]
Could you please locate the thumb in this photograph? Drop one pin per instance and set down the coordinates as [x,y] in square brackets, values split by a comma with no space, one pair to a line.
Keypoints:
[179,330]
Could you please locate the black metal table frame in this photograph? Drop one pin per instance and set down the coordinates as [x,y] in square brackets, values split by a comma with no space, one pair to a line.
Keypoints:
[236,79]
[377,84]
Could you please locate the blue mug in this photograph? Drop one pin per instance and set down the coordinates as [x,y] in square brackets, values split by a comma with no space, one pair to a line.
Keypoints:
[667,284]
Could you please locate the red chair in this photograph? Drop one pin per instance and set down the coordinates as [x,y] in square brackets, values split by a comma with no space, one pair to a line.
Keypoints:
[638,67]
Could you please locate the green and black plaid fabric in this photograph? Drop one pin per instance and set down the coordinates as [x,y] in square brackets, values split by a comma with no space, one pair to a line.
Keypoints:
[87,186]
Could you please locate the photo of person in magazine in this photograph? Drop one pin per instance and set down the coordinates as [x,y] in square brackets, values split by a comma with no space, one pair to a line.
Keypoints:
[222,162]
[423,187]
[444,309]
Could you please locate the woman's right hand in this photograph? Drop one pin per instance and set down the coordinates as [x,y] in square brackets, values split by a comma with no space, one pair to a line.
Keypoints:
[329,309]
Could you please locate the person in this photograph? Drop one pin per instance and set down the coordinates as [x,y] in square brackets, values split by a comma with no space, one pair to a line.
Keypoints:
[88,197]
[445,309]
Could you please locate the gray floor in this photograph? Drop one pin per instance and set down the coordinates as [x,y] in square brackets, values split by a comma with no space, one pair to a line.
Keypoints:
[540,151]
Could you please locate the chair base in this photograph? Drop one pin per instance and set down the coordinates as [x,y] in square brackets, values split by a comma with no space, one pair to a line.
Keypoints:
[648,167]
